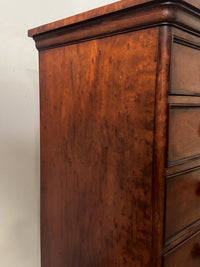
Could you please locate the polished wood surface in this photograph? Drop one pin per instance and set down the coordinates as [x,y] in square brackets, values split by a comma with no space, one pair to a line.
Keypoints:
[102,26]
[185,101]
[160,144]
[185,77]
[151,14]
[105,10]
[91,14]
[120,129]
[186,254]
[181,236]
[182,201]
[95,184]
[184,132]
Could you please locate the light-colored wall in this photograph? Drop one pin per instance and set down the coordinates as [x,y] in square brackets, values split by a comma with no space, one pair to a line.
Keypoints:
[19,124]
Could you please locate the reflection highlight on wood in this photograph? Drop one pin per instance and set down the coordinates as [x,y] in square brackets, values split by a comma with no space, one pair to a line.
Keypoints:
[120,136]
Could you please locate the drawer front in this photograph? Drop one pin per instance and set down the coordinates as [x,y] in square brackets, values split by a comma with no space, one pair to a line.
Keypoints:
[182,202]
[184,133]
[185,74]
[185,255]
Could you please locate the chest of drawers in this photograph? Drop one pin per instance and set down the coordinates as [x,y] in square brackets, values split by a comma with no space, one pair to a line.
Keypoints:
[120,136]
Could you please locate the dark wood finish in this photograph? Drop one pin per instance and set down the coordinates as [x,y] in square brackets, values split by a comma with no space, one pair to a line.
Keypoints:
[95,184]
[189,164]
[184,133]
[160,144]
[181,236]
[185,36]
[179,213]
[185,77]
[186,254]
[120,156]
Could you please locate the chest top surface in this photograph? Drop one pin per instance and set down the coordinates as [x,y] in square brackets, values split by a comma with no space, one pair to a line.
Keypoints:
[114,8]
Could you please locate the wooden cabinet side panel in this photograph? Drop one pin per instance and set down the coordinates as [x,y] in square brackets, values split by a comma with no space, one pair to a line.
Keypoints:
[97,128]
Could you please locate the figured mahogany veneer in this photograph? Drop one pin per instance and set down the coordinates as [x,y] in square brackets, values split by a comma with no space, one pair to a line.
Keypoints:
[99,186]
[120,136]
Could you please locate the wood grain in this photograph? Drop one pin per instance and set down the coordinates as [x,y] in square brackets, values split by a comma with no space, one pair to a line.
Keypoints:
[189,164]
[120,136]
[154,14]
[160,144]
[179,212]
[108,9]
[185,36]
[184,133]
[184,101]
[185,255]
[91,14]
[115,23]
[185,77]
[181,236]
[97,124]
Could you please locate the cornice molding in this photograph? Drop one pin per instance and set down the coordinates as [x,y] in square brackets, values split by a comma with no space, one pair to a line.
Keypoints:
[154,14]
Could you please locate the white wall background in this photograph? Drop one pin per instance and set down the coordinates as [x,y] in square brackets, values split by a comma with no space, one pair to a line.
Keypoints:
[19,124]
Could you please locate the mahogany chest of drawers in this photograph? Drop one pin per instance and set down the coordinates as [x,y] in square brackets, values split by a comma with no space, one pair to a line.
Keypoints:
[120,136]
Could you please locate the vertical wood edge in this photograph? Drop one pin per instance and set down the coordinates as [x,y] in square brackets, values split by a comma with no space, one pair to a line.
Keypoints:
[160,143]
[41,157]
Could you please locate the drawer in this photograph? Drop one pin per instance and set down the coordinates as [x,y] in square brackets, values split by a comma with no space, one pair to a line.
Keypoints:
[185,73]
[184,133]
[182,201]
[185,255]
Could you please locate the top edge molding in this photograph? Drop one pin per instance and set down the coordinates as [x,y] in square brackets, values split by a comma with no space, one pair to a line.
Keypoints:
[109,9]
[152,14]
